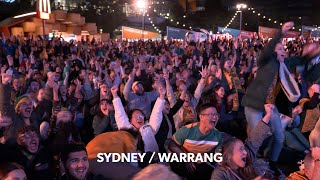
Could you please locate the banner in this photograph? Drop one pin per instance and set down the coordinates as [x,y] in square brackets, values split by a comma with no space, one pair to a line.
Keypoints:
[132,33]
[246,34]
[221,36]
[267,32]
[196,36]
[309,31]
[233,32]
[292,34]
[176,33]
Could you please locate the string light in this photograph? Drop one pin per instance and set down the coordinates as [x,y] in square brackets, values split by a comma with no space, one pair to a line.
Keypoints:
[235,15]
[264,17]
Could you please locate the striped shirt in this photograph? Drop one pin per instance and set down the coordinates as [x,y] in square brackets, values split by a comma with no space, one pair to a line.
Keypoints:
[194,141]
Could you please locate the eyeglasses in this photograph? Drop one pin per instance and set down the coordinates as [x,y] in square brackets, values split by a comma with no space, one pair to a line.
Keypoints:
[29,135]
[211,115]
[138,116]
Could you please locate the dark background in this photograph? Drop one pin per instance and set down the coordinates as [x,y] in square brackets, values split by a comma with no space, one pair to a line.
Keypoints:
[109,15]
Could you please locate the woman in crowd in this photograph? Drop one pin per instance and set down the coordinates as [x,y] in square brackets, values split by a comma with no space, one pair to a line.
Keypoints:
[136,121]
[85,104]
[104,121]
[239,158]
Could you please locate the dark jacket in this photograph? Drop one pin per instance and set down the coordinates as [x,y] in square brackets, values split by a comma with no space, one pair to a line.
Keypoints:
[90,176]
[257,91]
[162,134]
[40,165]
[102,124]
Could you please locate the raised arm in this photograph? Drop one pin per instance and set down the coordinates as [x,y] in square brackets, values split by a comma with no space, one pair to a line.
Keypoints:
[121,117]
[156,114]
[259,133]
[200,87]
[128,85]
[268,50]
[171,97]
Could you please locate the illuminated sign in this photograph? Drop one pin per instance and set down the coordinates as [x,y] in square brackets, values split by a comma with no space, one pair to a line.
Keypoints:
[43,9]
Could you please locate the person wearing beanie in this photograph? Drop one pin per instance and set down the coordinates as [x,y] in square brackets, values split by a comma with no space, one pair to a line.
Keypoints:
[25,115]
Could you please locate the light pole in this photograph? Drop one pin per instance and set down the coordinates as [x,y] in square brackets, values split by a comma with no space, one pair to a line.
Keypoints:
[142,5]
[239,7]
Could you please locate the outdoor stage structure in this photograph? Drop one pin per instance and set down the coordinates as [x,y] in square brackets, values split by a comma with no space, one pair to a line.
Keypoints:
[58,22]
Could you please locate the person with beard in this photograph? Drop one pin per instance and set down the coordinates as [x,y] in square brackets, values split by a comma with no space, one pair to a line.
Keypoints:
[136,97]
[35,159]
[75,161]
[104,121]
[200,137]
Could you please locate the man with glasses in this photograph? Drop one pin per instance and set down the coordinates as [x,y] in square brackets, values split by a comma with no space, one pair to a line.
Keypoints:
[201,137]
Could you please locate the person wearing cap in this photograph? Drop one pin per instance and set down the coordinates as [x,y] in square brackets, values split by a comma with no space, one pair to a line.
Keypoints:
[136,97]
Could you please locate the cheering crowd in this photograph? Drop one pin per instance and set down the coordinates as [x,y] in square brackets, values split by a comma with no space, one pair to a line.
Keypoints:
[254,100]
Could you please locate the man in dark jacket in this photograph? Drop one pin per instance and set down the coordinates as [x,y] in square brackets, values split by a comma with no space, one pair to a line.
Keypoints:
[32,156]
